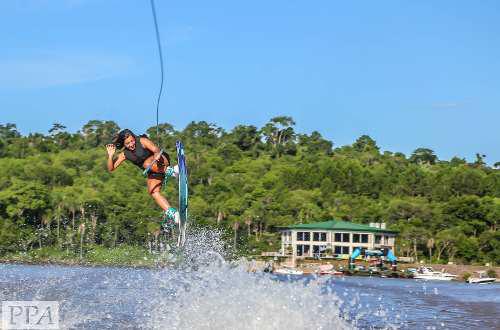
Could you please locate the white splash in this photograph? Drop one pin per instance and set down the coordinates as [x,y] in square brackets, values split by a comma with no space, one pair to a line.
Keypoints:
[214,294]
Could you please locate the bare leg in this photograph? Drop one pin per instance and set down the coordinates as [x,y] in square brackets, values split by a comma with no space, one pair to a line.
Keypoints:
[154,187]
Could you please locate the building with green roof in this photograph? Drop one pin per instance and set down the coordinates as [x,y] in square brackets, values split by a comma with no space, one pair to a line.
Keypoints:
[335,237]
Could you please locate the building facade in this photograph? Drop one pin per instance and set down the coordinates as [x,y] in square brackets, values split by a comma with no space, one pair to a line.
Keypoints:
[335,238]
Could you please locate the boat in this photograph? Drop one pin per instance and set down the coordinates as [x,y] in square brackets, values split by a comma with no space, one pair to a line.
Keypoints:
[481,278]
[287,270]
[329,270]
[427,273]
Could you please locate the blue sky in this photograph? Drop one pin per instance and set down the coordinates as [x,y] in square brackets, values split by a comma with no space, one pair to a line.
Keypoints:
[408,73]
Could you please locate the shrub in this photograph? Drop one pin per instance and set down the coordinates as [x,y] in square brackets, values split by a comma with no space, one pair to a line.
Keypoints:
[119,255]
[466,276]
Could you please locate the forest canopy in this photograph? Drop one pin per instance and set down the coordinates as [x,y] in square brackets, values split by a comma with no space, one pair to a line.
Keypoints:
[56,191]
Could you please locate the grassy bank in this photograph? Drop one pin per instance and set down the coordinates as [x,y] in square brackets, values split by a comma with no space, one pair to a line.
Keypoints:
[132,256]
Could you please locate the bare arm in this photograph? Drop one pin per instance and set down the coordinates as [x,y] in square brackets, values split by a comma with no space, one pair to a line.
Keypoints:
[148,144]
[112,165]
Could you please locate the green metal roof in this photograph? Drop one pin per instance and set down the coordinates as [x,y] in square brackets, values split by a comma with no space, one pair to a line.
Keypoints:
[339,225]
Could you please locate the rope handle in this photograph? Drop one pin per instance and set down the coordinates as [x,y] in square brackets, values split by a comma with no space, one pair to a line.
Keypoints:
[148,169]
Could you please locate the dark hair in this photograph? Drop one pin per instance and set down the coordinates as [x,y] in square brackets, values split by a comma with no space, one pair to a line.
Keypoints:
[119,138]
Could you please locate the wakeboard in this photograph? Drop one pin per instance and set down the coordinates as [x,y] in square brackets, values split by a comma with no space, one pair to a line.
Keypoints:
[183,194]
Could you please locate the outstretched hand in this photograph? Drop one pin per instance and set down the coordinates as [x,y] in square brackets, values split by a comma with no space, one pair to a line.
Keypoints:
[111,149]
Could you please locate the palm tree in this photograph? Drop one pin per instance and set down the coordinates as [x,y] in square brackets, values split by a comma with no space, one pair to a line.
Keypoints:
[59,198]
[248,222]
[81,231]
[430,245]
[236,226]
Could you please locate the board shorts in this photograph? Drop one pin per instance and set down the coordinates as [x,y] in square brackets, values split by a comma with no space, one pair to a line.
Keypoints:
[154,175]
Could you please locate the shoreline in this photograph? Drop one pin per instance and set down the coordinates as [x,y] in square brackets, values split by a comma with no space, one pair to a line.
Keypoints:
[73,263]
[160,265]
[458,269]
[95,256]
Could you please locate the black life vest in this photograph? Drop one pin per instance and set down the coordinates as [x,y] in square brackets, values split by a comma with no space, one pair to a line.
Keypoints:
[139,154]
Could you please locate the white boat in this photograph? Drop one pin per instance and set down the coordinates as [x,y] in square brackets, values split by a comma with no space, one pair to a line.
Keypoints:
[328,270]
[331,272]
[427,273]
[286,270]
[481,278]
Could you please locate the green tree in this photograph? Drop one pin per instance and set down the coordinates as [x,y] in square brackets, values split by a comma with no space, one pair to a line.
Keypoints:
[98,133]
[315,144]
[245,137]
[280,135]
[365,144]
[423,156]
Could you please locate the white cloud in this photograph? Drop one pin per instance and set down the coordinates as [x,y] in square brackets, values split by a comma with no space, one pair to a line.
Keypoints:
[48,70]
[36,5]
[447,105]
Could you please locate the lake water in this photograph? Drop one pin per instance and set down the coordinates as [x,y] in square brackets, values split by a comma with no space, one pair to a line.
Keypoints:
[223,296]
[206,292]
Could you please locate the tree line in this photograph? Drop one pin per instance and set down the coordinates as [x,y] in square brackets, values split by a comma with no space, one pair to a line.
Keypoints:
[55,190]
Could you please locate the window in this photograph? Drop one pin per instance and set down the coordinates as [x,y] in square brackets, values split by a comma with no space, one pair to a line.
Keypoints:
[299,250]
[377,239]
[303,236]
[355,238]
[364,238]
[341,249]
[303,250]
[341,237]
[318,250]
[319,237]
